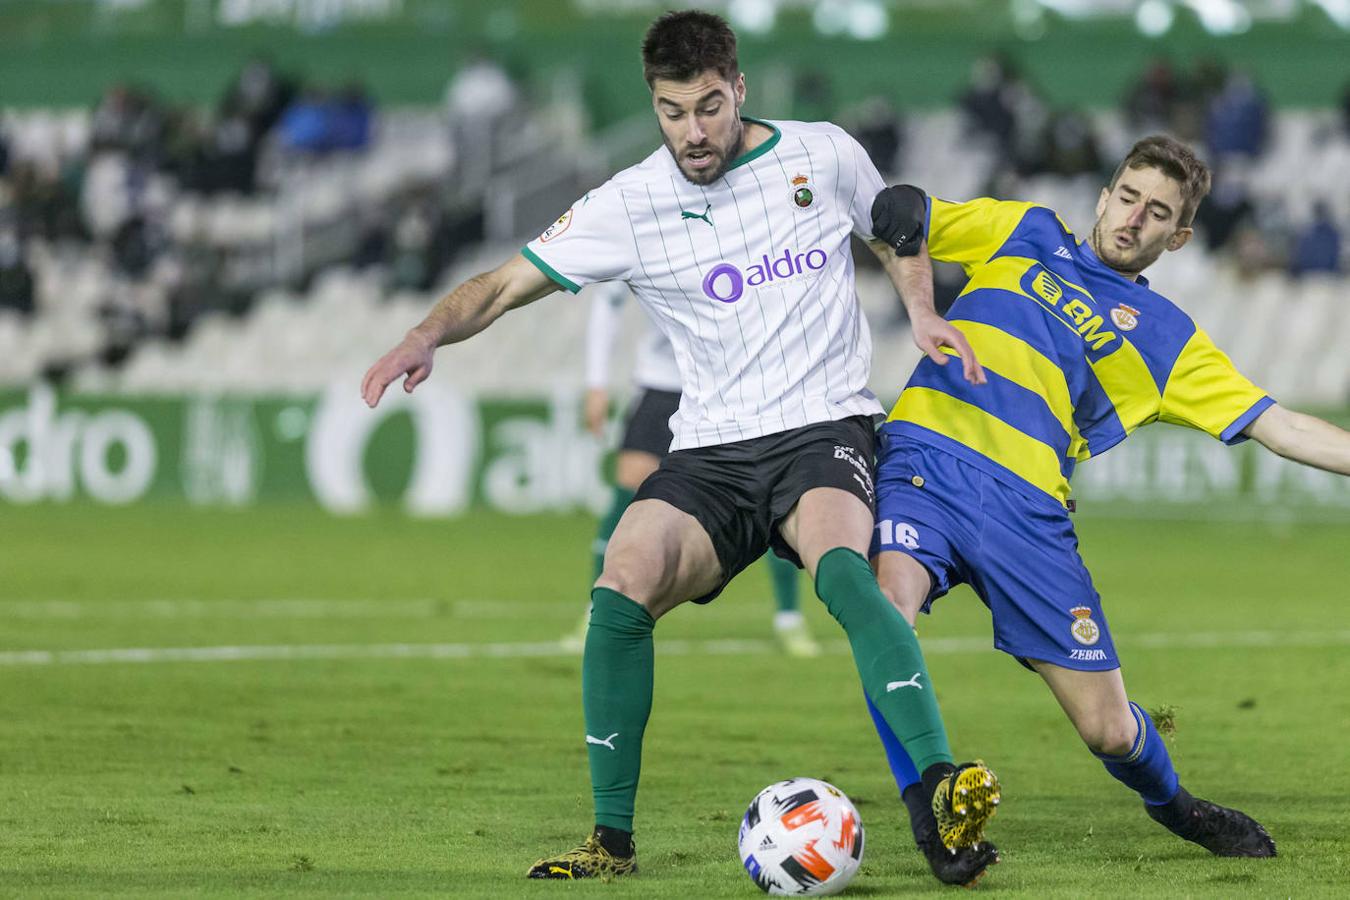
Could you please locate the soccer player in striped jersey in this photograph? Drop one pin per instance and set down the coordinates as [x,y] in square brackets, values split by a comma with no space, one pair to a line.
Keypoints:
[646,439]
[973,483]
[735,237]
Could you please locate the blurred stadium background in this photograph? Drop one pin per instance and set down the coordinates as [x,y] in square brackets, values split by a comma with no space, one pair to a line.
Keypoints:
[214,214]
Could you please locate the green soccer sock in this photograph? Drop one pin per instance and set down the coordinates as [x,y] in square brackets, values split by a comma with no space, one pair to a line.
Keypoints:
[785,581]
[616,695]
[618,503]
[886,653]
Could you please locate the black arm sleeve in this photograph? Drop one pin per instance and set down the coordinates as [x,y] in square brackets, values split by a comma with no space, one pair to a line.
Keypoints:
[898,217]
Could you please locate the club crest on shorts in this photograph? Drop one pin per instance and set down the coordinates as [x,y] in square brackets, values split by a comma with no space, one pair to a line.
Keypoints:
[1083,629]
[556,228]
[802,195]
[1125,317]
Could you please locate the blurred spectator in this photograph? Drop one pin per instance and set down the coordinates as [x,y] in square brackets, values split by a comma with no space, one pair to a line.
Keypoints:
[1208,79]
[16,281]
[877,126]
[317,123]
[229,157]
[135,245]
[1066,146]
[4,155]
[1254,251]
[988,101]
[349,119]
[1236,119]
[1152,101]
[812,95]
[127,120]
[43,202]
[419,244]
[1318,247]
[259,93]
[304,126]
[1227,207]
[479,101]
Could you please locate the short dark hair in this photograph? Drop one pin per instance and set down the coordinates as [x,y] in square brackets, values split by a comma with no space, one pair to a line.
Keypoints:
[1175,160]
[680,46]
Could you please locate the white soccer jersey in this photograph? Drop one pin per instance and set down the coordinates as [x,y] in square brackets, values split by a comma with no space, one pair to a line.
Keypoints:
[751,278]
[654,365]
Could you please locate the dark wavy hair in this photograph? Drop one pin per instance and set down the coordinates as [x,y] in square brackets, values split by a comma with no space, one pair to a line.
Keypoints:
[1175,160]
[681,45]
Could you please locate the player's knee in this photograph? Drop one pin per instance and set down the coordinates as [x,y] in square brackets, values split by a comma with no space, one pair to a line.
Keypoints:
[632,578]
[899,598]
[1110,735]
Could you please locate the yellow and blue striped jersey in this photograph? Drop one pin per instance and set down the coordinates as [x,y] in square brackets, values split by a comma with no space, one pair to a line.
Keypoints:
[1077,355]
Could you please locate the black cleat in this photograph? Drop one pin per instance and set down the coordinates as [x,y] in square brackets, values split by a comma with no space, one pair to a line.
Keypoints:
[1220,830]
[590,860]
[965,866]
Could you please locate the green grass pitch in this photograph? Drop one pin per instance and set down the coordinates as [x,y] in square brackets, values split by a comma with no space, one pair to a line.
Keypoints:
[351,773]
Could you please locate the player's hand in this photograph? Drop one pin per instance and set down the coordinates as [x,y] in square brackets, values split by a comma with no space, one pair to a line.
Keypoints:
[595,410]
[412,357]
[932,333]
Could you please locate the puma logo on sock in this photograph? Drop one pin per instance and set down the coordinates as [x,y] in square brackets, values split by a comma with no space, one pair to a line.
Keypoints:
[896,685]
[608,742]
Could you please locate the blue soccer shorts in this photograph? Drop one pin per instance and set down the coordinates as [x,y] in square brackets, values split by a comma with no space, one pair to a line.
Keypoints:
[1014,545]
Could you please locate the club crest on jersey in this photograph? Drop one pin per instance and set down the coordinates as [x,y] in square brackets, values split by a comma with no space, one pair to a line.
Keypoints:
[802,195]
[1125,317]
[1083,629]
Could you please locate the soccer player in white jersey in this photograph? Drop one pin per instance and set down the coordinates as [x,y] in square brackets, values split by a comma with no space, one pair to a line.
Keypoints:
[734,236]
[646,439]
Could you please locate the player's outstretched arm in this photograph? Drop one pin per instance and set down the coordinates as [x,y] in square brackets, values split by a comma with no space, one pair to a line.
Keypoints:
[913,280]
[899,214]
[1302,438]
[459,315]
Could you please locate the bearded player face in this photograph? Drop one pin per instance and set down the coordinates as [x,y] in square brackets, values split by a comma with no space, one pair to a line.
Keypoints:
[701,123]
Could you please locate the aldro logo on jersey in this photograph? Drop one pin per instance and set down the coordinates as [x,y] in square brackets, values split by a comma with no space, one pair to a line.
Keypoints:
[727,282]
[1056,294]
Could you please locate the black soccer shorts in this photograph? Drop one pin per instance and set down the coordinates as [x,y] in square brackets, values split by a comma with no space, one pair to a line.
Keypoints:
[741,492]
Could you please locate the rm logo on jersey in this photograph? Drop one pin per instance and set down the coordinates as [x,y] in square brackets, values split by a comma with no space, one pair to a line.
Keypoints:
[802,195]
[1125,317]
[1083,629]
[556,228]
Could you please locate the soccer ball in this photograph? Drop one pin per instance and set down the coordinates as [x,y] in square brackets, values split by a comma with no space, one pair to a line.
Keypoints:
[801,837]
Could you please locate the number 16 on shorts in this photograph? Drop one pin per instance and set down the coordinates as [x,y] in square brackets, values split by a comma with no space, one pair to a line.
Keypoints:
[890,533]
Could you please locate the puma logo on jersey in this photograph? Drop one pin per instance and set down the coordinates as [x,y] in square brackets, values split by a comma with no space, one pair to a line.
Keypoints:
[913,682]
[607,742]
[706,215]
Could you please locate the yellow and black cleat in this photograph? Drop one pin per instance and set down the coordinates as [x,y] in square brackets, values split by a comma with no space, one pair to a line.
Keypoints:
[963,804]
[590,860]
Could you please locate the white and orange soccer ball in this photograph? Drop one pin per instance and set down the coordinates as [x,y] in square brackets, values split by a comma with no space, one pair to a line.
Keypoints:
[801,838]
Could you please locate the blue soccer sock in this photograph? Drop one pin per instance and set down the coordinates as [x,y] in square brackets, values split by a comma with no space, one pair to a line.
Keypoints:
[1147,768]
[902,767]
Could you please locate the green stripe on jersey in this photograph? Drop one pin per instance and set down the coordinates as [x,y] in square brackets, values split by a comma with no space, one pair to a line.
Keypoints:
[762,148]
[548,270]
